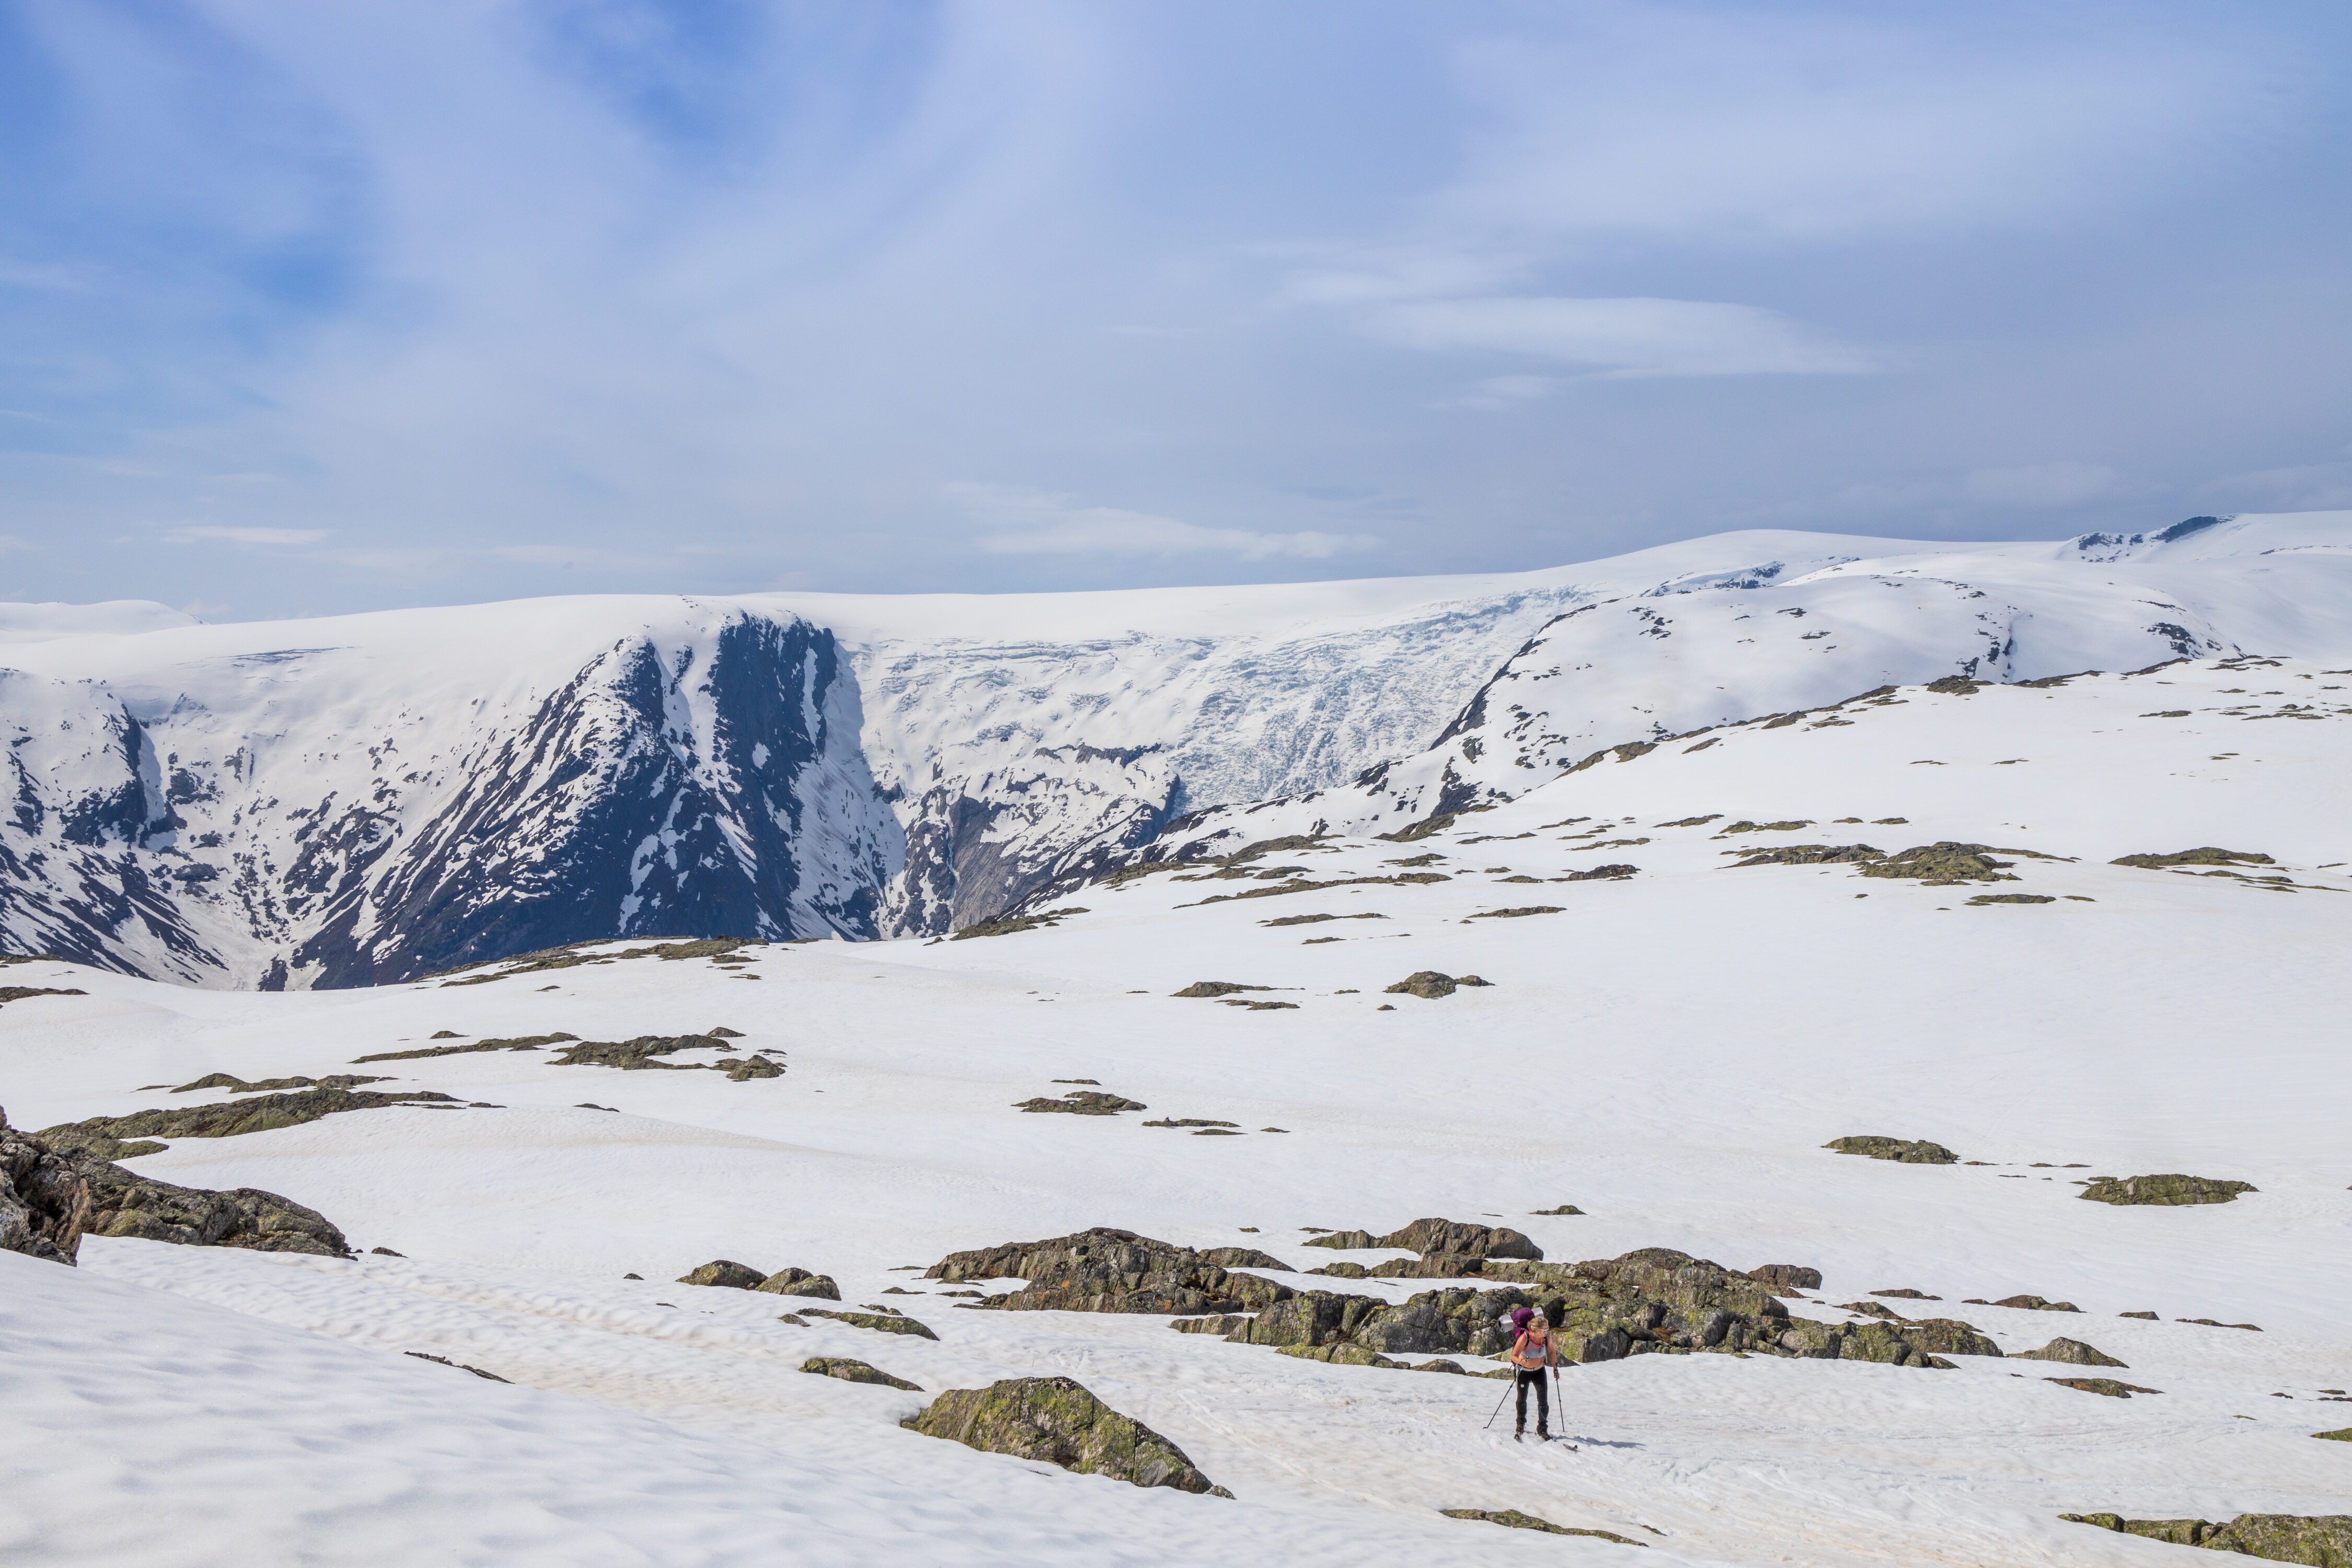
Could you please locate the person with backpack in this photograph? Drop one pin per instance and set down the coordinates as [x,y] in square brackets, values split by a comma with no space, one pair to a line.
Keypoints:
[1534,1354]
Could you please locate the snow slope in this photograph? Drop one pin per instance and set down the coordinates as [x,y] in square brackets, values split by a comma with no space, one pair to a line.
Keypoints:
[1667,1052]
[365,798]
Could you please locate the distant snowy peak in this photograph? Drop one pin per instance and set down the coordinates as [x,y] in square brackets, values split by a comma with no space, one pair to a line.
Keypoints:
[366,798]
[310,817]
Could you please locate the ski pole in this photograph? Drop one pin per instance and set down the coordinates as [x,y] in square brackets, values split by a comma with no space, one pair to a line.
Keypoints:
[1500,1403]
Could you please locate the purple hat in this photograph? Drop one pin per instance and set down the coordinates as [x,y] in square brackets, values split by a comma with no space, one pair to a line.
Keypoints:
[1520,1315]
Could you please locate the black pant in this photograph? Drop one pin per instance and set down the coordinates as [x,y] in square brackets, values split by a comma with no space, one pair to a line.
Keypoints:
[1543,1399]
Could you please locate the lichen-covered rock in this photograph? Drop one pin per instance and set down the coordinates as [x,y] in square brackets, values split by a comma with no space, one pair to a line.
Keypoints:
[1200,989]
[2208,855]
[1243,1258]
[1084,1102]
[2106,1385]
[637,1054]
[1055,1419]
[1949,1336]
[2167,1190]
[1871,1309]
[1562,1209]
[881,1323]
[1943,864]
[2035,1304]
[43,1201]
[1787,1277]
[1429,985]
[800,1282]
[1219,1323]
[228,1119]
[1906,1151]
[1109,1270]
[1457,1236]
[850,1371]
[2341,1434]
[2317,1541]
[750,1068]
[236,1085]
[1515,1519]
[122,1204]
[726,1274]
[1345,1240]
[2074,1353]
[1342,1270]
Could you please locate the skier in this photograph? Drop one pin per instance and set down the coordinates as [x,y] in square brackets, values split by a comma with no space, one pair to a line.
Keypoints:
[1533,1356]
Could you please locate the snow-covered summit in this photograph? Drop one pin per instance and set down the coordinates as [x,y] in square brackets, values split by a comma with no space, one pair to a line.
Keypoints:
[336,800]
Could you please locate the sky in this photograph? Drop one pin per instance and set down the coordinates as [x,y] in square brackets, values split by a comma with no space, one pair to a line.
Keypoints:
[314,309]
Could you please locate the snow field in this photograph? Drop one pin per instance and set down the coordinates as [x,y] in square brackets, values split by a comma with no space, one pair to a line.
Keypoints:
[1667,1053]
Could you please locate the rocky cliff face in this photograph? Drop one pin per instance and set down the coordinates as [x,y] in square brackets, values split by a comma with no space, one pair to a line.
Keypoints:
[309,817]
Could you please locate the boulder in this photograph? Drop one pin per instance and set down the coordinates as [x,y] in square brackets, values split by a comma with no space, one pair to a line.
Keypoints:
[726,1274]
[2106,1385]
[1907,1151]
[1216,988]
[43,1201]
[1084,1103]
[1562,1209]
[1787,1277]
[1949,1336]
[881,1323]
[1341,1355]
[2074,1353]
[2320,1540]
[1243,1258]
[1345,1240]
[1429,985]
[1109,1270]
[2341,1434]
[1943,864]
[2035,1304]
[748,1068]
[2167,1190]
[1447,1236]
[855,1372]
[1343,1270]
[800,1282]
[1056,1420]
[124,1204]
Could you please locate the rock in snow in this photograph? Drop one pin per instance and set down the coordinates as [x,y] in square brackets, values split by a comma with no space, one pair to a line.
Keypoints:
[1056,1420]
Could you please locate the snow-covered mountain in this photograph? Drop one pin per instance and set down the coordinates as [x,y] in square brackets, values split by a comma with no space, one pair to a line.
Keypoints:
[360,799]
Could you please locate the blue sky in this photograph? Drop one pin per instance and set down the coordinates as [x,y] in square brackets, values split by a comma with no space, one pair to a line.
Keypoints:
[307,308]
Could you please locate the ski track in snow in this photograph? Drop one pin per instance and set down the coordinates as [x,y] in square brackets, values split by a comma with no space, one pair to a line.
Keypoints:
[1667,1052]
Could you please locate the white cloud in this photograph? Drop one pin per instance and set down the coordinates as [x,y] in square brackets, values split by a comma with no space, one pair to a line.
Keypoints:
[1768,126]
[1635,337]
[2042,484]
[248,535]
[1050,525]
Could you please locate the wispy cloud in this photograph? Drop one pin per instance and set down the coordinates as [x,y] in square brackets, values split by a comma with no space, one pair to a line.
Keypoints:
[1622,337]
[209,533]
[1033,525]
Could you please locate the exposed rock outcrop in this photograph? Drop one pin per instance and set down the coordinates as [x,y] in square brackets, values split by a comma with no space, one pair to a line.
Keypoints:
[108,1135]
[1906,1151]
[724,1274]
[1787,1277]
[800,1282]
[850,1371]
[1429,985]
[1516,1521]
[2074,1353]
[1084,1103]
[2168,1190]
[44,1202]
[880,1322]
[1055,1419]
[123,1203]
[2106,1385]
[2319,1540]
[1949,1336]
[1109,1270]
[1654,1300]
